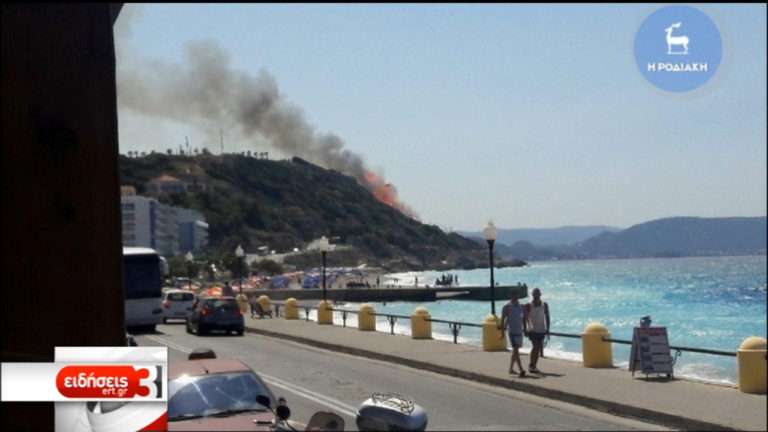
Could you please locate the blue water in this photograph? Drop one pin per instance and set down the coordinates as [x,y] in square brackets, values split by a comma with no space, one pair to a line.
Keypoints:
[704,302]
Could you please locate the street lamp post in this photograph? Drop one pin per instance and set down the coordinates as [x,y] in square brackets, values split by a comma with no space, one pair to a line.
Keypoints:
[489,233]
[324,246]
[189,257]
[240,253]
[242,300]
[324,313]
[492,324]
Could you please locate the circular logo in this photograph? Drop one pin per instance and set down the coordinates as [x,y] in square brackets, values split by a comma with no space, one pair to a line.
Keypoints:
[678,48]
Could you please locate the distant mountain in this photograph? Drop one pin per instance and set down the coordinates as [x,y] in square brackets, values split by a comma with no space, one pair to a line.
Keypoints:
[567,235]
[681,236]
[669,237]
[527,251]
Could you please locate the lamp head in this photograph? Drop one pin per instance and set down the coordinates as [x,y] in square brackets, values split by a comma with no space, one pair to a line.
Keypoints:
[490,231]
[323,244]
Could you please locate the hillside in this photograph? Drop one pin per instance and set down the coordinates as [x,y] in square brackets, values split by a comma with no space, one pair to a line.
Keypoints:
[286,204]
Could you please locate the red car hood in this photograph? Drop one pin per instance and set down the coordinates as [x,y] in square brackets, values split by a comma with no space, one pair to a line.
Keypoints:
[239,422]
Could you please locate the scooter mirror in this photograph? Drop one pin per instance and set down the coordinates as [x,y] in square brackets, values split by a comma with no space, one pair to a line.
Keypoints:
[283,412]
[264,400]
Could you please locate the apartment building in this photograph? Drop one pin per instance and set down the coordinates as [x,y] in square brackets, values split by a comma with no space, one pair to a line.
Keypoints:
[169,230]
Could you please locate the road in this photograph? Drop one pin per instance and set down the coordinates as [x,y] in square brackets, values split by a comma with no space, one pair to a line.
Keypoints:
[312,379]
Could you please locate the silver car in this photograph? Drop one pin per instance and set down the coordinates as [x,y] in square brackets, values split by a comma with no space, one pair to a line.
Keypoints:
[176,303]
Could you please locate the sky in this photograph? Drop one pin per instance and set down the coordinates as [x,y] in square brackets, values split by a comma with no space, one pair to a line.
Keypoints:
[530,115]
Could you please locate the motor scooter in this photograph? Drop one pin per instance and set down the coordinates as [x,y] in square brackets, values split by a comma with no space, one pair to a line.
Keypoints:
[320,421]
[380,412]
[390,412]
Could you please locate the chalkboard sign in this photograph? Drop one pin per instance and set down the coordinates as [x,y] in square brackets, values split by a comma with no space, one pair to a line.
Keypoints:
[650,351]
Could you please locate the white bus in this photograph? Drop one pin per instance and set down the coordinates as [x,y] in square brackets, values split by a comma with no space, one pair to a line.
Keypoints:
[143,271]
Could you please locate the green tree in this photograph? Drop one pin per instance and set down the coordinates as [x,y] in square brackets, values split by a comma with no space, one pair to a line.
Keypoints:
[269,267]
[179,267]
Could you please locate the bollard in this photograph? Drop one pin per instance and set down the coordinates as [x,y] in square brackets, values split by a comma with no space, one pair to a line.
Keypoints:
[324,312]
[492,335]
[366,319]
[596,352]
[420,327]
[266,306]
[752,365]
[291,308]
[242,300]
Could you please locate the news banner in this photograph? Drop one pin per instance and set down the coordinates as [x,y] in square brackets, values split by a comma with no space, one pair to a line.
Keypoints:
[95,389]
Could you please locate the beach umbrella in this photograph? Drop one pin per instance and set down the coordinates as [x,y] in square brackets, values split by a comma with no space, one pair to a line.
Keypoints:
[280,281]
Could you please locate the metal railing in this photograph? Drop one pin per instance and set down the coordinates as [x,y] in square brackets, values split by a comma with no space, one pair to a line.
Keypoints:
[678,349]
[455,328]
[391,318]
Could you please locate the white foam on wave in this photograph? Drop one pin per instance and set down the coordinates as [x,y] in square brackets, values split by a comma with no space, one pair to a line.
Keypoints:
[707,373]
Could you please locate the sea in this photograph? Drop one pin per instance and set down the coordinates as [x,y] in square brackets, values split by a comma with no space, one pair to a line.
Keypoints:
[712,303]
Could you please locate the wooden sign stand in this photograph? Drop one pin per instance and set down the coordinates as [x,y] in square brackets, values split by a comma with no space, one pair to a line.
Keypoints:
[650,352]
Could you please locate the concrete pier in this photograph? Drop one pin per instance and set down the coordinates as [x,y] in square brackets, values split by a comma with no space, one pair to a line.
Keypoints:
[362,295]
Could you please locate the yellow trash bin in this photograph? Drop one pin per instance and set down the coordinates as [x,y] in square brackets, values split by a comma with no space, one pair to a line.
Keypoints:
[366,318]
[324,312]
[421,327]
[291,309]
[752,365]
[492,335]
[597,353]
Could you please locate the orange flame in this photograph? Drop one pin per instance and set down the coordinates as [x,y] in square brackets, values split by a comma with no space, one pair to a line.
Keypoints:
[387,194]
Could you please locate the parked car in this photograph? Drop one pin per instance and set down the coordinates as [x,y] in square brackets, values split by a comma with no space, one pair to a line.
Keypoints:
[175,304]
[217,394]
[215,313]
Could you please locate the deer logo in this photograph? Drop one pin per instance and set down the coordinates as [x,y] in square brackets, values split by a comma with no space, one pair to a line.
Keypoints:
[676,40]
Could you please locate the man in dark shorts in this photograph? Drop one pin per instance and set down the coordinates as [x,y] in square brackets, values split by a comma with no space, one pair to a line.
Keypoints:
[512,321]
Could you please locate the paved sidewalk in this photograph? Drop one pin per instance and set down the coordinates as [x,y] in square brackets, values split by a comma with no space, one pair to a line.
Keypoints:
[678,403]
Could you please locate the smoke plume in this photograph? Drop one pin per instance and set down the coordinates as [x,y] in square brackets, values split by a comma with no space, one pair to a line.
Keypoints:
[203,90]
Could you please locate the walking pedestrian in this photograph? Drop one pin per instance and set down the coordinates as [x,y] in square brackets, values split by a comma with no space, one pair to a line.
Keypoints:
[228,291]
[536,326]
[512,321]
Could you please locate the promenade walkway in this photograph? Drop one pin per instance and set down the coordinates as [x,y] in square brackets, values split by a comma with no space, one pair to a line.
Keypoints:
[679,403]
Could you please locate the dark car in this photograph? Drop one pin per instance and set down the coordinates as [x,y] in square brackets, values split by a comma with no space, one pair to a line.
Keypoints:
[217,394]
[215,313]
